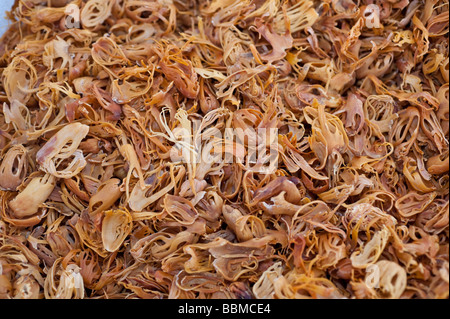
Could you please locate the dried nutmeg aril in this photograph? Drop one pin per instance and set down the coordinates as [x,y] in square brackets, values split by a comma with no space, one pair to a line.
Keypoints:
[116,226]
[212,149]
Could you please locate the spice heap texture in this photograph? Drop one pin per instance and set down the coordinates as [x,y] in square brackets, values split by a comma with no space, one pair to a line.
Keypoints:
[117,179]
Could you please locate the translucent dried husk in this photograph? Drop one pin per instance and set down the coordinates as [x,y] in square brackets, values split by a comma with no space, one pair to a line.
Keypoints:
[150,11]
[432,221]
[62,146]
[264,287]
[139,199]
[19,80]
[364,217]
[105,197]
[392,282]
[331,250]
[5,287]
[145,285]
[17,114]
[106,52]
[129,153]
[26,287]
[413,203]
[280,184]
[116,226]
[245,227]
[328,132]
[410,170]
[279,43]
[181,72]
[160,245]
[13,168]
[90,234]
[295,161]
[56,49]
[63,239]
[300,16]
[181,210]
[28,201]
[73,185]
[106,101]
[438,164]
[95,12]
[47,15]
[232,260]
[295,285]
[129,89]
[370,253]
[199,260]
[199,283]
[126,149]
[379,109]
[64,282]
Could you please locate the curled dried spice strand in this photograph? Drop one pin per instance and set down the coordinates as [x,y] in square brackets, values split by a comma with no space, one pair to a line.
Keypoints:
[136,159]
